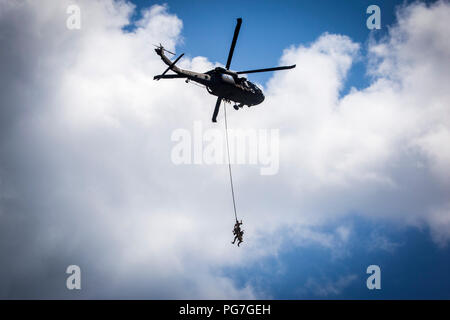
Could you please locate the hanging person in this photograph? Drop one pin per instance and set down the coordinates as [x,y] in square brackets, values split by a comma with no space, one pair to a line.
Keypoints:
[238,233]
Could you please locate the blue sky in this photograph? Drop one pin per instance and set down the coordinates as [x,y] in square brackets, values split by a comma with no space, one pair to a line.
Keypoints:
[87,175]
[414,268]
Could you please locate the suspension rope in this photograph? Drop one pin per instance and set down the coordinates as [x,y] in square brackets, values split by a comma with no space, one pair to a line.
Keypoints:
[229,162]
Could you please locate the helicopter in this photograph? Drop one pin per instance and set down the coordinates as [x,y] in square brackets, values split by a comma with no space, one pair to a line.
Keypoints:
[222,82]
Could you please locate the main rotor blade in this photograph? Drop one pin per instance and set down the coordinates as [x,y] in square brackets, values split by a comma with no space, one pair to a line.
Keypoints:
[216,109]
[267,69]
[233,43]
[173,63]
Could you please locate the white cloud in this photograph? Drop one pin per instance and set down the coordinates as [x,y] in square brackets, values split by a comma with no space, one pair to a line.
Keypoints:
[85,170]
[326,287]
[379,151]
[379,241]
[439,221]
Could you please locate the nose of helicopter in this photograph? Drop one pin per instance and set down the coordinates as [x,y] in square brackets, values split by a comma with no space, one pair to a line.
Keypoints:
[261,98]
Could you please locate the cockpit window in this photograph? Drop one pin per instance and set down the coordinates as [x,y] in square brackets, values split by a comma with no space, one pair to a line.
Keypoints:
[253,86]
[227,78]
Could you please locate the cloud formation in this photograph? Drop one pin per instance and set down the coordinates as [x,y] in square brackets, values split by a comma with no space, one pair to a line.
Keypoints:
[327,288]
[377,151]
[85,170]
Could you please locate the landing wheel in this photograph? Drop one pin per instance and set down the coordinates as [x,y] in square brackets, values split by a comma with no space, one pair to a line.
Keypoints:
[236,107]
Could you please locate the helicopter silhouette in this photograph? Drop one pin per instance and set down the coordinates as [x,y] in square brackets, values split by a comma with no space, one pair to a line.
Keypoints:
[221,82]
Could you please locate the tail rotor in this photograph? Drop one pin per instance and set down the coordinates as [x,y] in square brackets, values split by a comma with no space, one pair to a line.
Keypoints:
[164,49]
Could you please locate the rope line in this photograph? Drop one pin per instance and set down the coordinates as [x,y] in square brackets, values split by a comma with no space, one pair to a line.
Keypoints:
[229,162]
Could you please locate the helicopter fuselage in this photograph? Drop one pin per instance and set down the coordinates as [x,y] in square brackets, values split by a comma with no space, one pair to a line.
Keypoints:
[233,88]
[219,82]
